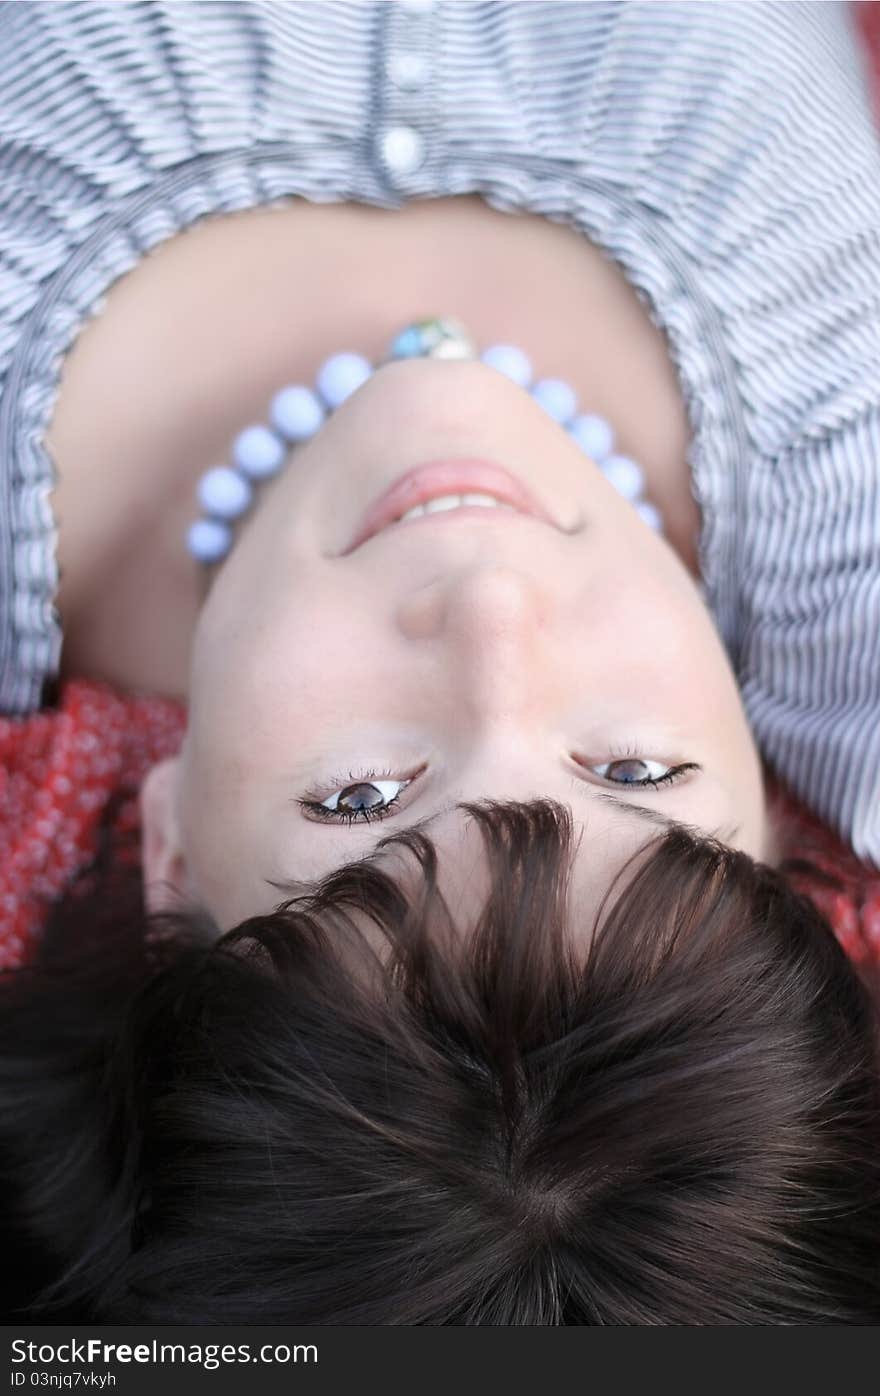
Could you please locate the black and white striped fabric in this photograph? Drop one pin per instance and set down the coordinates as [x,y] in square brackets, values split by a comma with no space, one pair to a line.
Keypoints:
[722,153]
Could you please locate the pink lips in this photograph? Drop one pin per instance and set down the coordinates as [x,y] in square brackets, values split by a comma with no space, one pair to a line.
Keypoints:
[437,478]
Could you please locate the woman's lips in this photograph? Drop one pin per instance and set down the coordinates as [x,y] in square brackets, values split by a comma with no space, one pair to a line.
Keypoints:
[436,478]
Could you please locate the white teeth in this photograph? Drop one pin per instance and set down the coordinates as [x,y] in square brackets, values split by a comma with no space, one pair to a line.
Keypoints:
[447,501]
[453,501]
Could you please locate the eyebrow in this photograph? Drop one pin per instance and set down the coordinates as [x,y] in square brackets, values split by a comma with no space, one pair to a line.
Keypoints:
[652,816]
[643,812]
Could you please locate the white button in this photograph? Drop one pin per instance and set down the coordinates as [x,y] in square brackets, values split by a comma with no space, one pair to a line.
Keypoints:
[407,70]
[403,149]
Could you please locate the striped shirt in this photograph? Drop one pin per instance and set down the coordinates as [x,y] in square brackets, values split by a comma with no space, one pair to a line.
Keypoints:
[723,154]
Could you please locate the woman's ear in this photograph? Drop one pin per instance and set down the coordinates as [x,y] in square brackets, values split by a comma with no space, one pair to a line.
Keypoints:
[166,883]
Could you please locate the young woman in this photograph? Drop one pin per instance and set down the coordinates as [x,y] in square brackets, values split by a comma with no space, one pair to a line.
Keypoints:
[649,235]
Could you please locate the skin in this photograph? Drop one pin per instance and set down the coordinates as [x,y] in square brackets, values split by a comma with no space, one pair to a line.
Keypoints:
[496,657]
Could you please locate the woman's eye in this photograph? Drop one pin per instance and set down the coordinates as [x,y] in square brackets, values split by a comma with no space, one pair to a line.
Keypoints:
[370,796]
[365,798]
[670,773]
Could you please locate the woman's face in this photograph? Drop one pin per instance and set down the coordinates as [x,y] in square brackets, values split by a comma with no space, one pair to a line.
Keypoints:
[457,658]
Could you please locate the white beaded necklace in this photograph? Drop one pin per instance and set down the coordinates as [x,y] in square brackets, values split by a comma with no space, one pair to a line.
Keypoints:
[226,492]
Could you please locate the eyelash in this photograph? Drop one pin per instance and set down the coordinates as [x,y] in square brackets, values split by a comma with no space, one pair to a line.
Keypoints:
[364,816]
[311,802]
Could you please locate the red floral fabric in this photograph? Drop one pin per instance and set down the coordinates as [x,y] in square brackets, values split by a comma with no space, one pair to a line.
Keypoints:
[61,767]
[59,770]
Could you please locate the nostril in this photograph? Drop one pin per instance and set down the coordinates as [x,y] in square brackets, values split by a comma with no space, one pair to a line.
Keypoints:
[420,612]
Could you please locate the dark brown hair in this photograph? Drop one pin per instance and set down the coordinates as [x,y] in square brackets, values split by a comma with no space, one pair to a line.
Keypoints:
[352,1111]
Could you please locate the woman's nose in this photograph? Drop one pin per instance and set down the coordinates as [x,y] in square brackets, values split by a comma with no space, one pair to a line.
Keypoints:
[491,620]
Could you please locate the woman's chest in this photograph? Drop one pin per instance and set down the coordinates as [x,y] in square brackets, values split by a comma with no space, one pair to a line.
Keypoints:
[193,343]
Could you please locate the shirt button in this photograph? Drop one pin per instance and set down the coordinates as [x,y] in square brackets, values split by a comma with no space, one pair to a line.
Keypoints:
[403,149]
[407,70]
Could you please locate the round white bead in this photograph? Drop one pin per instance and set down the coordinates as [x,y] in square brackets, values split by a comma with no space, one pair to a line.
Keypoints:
[258,452]
[407,70]
[341,375]
[558,399]
[594,436]
[510,361]
[207,540]
[625,475]
[403,149]
[224,492]
[651,516]
[296,413]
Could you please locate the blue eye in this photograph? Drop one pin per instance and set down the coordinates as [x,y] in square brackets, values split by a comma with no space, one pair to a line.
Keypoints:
[364,796]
